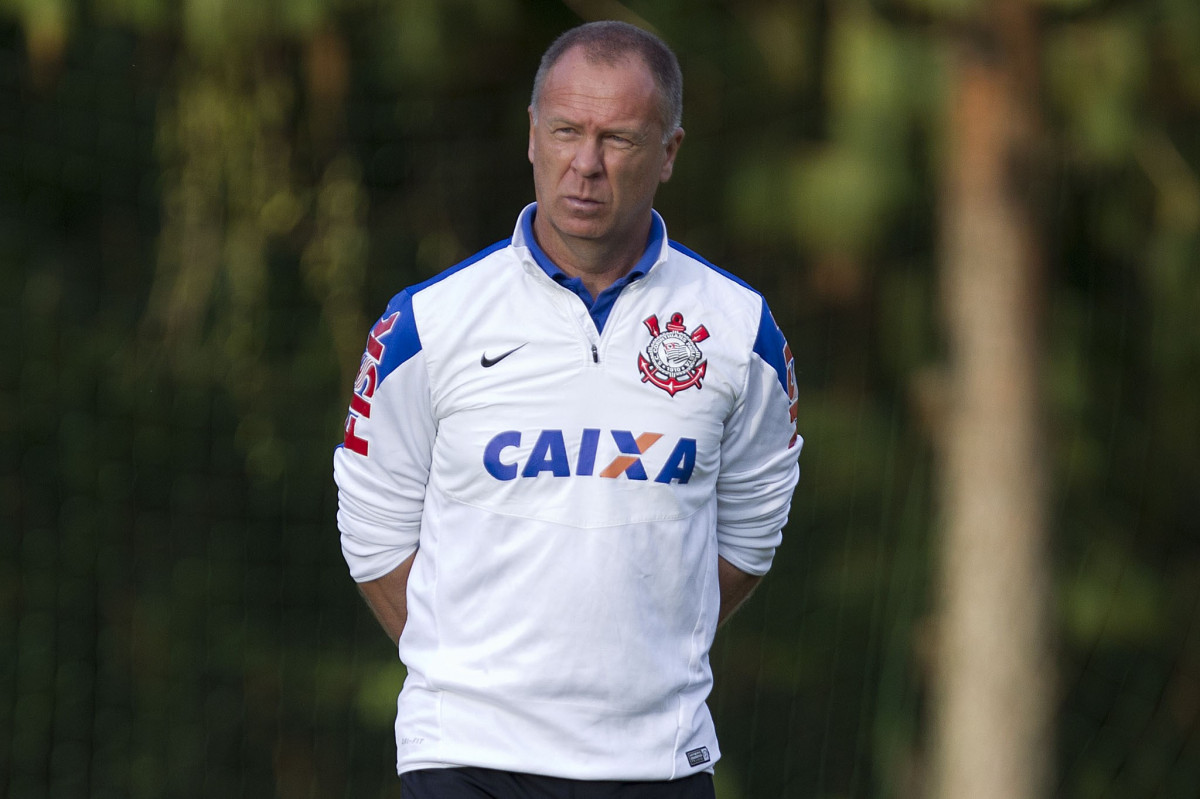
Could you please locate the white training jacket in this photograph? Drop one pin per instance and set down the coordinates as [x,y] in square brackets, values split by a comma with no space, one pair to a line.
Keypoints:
[568,492]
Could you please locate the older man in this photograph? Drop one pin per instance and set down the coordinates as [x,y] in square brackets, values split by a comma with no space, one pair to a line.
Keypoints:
[566,461]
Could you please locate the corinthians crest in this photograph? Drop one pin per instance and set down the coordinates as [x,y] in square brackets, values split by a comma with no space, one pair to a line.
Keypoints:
[672,361]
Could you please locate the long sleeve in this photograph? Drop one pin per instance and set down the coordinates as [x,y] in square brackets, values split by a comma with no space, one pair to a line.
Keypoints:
[758,455]
[382,466]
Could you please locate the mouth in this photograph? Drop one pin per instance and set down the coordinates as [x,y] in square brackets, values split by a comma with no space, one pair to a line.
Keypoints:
[582,203]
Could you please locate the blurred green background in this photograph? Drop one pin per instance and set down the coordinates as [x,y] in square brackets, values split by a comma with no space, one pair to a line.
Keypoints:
[203,205]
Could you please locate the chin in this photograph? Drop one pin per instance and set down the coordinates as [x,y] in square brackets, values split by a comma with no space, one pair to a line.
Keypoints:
[582,228]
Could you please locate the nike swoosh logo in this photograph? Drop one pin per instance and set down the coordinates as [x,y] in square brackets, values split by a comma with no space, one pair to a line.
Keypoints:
[485,361]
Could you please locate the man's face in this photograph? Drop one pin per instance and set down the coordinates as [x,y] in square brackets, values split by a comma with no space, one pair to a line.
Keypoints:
[597,151]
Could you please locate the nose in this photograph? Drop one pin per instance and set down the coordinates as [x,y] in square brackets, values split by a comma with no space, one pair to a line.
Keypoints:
[589,157]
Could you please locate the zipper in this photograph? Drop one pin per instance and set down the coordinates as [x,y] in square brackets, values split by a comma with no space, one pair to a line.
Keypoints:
[595,354]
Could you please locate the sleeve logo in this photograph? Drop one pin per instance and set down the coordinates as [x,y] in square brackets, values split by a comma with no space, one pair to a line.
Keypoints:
[672,360]
[366,383]
[793,393]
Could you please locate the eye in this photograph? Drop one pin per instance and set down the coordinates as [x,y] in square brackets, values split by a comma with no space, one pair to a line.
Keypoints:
[621,142]
[565,132]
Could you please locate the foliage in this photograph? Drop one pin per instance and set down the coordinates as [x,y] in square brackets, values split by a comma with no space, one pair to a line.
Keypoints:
[202,204]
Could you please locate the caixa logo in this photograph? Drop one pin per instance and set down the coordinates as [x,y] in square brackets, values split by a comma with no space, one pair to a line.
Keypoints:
[502,457]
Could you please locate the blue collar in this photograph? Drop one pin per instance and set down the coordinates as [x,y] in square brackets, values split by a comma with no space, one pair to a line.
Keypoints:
[599,307]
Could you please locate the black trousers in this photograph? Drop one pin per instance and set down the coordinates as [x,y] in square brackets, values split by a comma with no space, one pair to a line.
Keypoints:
[482,783]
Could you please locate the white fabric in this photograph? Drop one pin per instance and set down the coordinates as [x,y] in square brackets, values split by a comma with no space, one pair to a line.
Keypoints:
[559,621]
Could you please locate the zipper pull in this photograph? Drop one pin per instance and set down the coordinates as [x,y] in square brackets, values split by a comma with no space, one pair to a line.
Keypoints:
[595,355]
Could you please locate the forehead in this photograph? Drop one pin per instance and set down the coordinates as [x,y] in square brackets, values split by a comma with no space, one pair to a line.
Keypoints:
[623,90]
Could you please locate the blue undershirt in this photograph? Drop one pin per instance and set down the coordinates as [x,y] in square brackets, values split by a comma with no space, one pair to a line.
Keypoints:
[601,306]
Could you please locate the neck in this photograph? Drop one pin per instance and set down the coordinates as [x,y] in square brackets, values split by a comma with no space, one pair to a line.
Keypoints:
[597,264]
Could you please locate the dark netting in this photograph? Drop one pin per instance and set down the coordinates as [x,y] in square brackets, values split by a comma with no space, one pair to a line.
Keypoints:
[201,214]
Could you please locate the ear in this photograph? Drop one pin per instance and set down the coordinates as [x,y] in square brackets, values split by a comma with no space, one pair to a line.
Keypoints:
[532,125]
[672,148]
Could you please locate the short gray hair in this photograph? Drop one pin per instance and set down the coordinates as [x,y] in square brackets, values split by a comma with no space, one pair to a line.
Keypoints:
[611,42]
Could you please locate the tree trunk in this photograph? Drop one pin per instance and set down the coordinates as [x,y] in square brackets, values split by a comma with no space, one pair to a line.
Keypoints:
[993,737]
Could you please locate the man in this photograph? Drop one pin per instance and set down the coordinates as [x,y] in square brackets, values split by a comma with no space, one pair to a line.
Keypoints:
[567,460]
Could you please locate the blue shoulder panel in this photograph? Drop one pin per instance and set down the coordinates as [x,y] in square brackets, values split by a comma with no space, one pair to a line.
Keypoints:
[395,337]
[771,346]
